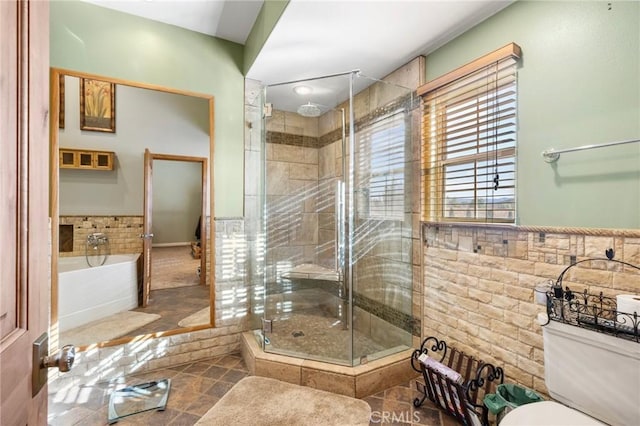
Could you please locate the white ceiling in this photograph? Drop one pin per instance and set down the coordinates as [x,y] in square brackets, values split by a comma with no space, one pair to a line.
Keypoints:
[227,19]
[316,37]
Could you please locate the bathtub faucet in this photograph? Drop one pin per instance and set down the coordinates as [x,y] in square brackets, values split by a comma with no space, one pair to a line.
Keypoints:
[97,239]
[98,245]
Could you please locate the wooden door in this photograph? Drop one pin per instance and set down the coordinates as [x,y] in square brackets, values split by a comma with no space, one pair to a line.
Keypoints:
[148,213]
[147,234]
[24,217]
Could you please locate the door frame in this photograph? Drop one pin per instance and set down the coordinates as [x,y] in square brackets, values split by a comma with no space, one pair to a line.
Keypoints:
[149,158]
[54,182]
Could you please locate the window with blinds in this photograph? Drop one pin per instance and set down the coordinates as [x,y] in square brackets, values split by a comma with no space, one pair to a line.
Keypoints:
[380,179]
[469,150]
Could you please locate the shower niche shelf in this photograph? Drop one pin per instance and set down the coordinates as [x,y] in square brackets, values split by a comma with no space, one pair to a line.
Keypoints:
[85,159]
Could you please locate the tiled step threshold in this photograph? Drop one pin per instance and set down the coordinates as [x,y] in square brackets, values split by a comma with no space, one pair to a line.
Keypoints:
[358,382]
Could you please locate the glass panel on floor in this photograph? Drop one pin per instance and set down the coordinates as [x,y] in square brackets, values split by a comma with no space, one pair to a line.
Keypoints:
[137,399]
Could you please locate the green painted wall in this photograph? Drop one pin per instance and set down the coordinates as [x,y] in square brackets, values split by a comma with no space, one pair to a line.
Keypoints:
[265,22]
[144,119]
[88,38]
[578,84]
[177,208]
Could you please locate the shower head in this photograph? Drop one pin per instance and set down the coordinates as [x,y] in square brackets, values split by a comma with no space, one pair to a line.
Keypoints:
[309,110]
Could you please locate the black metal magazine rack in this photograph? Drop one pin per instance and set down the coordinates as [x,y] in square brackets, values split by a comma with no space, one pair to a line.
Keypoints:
[462,399]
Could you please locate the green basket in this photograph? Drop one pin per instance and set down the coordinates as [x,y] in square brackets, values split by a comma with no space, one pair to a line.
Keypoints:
[510,396]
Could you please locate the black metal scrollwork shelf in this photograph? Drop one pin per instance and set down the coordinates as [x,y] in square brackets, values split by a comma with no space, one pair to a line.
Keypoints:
[592,311]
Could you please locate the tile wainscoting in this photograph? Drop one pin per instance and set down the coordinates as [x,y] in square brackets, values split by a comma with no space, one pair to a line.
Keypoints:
[479,287]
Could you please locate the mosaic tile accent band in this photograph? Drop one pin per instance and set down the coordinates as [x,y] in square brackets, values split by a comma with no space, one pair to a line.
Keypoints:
[393,316]
[408,102]
[290,139]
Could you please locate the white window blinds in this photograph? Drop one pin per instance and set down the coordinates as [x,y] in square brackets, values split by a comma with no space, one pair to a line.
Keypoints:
[380,180]
[469,149]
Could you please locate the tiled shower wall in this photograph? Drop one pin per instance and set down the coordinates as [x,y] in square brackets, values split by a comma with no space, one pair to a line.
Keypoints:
[479,288]
[302,168]
[291,193]
[302,213]
[391,249]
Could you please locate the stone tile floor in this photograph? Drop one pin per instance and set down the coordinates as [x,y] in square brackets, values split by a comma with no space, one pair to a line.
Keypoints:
[196,387]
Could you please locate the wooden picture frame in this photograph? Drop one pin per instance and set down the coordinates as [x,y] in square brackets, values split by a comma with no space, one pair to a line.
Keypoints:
[97,105]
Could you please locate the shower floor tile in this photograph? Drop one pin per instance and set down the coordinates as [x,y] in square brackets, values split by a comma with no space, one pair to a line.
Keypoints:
[307,322]
[314,331]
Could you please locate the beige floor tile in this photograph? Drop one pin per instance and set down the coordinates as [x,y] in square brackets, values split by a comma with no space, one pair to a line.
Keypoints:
[196,387]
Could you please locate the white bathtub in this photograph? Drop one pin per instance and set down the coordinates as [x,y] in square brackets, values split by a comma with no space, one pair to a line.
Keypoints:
[87,294]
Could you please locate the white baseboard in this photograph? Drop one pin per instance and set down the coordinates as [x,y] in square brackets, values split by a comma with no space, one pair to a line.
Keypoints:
[188,243]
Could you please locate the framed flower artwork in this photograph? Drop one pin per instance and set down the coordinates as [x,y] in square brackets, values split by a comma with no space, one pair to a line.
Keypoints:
[97,105]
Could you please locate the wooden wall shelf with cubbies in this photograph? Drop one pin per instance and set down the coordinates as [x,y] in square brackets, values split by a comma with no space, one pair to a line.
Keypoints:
[86,159]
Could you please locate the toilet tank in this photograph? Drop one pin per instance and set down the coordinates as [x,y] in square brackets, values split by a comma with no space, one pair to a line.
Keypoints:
[595,373]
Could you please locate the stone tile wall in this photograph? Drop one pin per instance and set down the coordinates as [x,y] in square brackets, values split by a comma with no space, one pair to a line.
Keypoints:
[101,364]
[393,248]
[291,193]
[123,232]
[389,250]
[232,300]
[479,288]
[330,168]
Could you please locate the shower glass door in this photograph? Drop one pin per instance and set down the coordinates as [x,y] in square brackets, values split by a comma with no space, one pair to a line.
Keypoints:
[336,221]
[307,303]
[384,206]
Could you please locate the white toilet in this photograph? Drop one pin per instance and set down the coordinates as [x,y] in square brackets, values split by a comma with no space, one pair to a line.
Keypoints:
[594,376]
[547,413]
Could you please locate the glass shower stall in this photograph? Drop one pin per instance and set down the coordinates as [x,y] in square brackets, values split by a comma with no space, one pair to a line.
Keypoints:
[337,221]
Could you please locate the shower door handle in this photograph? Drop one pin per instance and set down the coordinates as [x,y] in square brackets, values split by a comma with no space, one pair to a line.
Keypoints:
[143,236]
[339,218]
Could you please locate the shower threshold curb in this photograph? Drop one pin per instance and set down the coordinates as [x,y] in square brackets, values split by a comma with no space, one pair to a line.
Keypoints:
[359,381]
